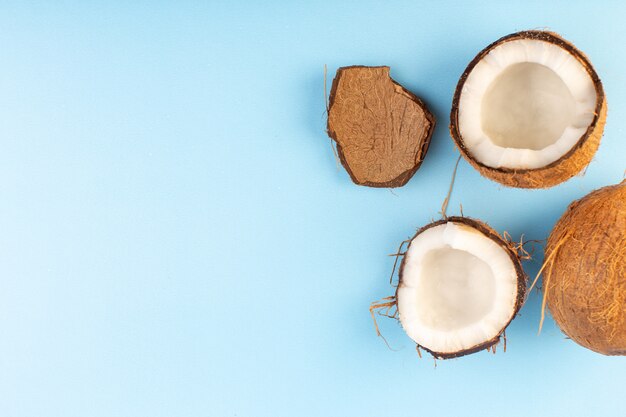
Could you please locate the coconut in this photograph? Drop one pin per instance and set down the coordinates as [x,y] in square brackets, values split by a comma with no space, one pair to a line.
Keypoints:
[382,130]
[529,110]
[460,286]
[585,271]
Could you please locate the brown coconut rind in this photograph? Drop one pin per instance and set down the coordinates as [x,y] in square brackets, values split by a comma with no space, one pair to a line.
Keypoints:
[569,164]
[585,281]
[521,279]
[381,129]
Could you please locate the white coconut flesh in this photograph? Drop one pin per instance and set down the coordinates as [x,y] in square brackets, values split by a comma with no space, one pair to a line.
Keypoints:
[458,289]
[525,104]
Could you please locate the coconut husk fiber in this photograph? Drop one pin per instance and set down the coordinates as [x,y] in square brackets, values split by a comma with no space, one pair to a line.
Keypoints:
[585,278]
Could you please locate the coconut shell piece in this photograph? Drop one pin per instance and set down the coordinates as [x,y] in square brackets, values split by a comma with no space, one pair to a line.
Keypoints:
[570,164]
[510,249]
[381,129]
[585,271]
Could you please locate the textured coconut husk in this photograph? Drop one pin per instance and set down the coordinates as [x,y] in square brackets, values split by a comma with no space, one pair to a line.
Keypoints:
[569,164]
[381,129]
[511,250]
[585,278]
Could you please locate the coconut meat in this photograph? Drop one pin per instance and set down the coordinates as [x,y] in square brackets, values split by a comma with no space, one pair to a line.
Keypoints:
[525,104]
[458,288]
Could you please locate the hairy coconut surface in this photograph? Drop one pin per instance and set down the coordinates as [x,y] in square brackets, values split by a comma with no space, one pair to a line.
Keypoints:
[529,110]
[460,286]
[381,129]
[585,280]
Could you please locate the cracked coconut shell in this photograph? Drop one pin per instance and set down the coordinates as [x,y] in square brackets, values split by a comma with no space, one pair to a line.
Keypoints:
[381,129]
[585,271]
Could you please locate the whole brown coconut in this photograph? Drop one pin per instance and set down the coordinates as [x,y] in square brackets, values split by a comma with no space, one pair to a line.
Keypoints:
[585,271]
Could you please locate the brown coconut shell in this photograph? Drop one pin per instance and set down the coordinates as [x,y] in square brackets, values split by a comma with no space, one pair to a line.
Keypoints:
[585,271]
[569,164]
[510,249]
[382,130]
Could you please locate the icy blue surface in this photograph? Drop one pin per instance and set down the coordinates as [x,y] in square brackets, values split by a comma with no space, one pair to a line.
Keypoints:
[176,239]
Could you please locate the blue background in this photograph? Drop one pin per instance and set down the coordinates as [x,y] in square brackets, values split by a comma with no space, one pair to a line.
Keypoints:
[177,240]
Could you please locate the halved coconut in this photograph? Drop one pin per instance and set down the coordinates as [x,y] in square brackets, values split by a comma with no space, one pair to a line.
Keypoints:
[529,110]
[460,286]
